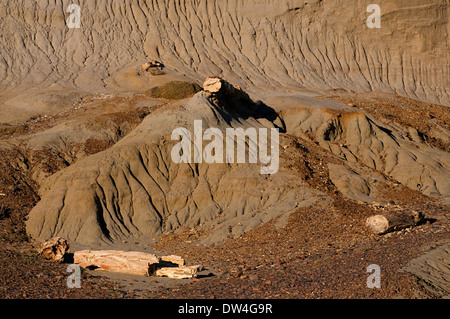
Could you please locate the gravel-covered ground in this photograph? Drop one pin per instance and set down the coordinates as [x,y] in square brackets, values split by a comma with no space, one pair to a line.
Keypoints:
[314,260]
[318,254]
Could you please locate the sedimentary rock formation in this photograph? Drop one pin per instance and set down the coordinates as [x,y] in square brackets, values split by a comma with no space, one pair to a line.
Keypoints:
[269,44]
[359,138]
[280,52]
[135,188]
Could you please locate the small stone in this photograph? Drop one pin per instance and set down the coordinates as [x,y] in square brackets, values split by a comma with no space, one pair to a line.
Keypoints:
[253,277]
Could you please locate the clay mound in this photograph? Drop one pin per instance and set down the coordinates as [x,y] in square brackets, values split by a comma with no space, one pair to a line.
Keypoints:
[50,143]
[433,270]
[356,137]
[257,44]
[135,188]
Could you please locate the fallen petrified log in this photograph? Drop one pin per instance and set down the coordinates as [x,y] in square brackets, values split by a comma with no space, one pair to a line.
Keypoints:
[392,221]
[54,249]
[173,259]
[152,64]
[181,272]
[127,262]
[136,263]
[220,90]
[216,85]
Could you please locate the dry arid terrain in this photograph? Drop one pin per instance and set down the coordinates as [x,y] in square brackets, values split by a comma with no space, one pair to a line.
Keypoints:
[87,121]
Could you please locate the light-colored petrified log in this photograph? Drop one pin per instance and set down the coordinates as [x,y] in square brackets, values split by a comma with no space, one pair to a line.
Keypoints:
[392,221]
[135,263]
[216,85]
[54,249]
[182,272]
[213,85]
[152,64]
[173,259]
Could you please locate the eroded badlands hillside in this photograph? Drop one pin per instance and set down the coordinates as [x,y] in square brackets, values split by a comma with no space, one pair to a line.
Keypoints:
[259,45]
[362,114]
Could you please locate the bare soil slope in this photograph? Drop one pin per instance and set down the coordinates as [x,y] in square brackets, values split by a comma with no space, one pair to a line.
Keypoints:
[263,44]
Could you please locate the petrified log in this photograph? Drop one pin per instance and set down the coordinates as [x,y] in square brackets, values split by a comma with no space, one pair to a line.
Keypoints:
[213,85]
[152,64]
[173,259]
[54,249]
[218,89]
[146,66]
[135,263]
[392,221]
[182,272]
